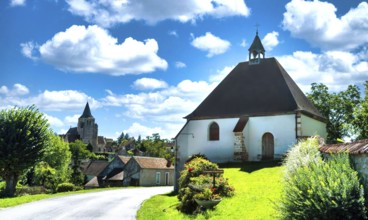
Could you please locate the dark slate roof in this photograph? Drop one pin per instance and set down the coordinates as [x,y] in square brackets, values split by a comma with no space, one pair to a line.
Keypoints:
[72,134]
[95,167]
[251,90]
[240,125]
[101,140]
[86,112]
[358,147]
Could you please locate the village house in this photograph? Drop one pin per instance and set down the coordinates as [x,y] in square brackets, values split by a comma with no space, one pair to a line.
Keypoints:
[256,113]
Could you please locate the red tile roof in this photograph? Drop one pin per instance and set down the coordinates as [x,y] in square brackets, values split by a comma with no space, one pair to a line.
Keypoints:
[357,147]
[153,163]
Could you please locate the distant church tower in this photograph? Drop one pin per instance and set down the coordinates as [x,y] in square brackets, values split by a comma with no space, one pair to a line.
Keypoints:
[87,128]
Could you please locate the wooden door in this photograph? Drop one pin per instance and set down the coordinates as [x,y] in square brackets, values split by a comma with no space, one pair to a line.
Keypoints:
[267,146]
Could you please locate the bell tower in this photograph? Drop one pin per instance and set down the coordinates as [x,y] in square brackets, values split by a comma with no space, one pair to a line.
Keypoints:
[87,128]
[256,50]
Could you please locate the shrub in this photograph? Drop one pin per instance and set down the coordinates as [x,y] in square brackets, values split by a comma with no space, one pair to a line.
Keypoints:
[318,189]
[194,184]
[65,187]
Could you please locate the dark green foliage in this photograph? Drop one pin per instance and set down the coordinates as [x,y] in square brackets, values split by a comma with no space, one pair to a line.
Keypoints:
[23,137]
[337,108]
[66,187]
[79,152]
[361,116]
[192,182]
[318,189]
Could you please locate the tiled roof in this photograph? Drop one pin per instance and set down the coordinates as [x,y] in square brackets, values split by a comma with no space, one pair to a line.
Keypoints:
[252,90]
[95,167]
[357,147]
[152,162]
[125,159]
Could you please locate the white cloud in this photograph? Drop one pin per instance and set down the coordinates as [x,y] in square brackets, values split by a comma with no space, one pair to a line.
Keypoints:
[335,69]
[179,64]
[71,120]
[243,43]
[211,43]
[54,121]
[270,40]
[149,84]
[317,23]
[91,49]
[17,3]
[173,33]
[17,90]
[110,12]
[48,100]
[137,129]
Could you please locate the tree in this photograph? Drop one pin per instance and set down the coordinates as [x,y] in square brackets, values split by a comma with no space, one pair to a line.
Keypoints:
[23,137]
[337,108]
[54,166]
[361,116]
[79,152]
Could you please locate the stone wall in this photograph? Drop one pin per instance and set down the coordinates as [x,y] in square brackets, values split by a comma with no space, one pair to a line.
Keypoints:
[240,151]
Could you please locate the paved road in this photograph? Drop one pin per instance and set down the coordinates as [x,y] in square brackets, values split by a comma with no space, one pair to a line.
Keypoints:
[110,204]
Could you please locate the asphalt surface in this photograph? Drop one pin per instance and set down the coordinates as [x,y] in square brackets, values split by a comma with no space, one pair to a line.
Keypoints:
[111,204]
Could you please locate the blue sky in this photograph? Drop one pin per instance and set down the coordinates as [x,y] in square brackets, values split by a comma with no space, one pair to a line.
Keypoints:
[145,64]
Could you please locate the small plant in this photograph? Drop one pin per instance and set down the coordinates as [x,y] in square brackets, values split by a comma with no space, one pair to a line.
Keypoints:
[65,187]
[194,184]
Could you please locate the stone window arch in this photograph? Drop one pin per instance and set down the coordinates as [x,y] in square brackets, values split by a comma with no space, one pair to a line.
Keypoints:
[214,132]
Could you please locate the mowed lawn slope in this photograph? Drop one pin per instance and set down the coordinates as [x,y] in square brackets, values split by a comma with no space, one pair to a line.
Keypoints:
[257,188]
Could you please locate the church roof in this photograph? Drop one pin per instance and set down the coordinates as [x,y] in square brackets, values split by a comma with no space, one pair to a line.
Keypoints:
[86,112]
[255,90]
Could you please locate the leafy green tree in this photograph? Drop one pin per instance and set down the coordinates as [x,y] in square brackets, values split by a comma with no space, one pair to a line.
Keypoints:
[79,152]
[361,116]
[23,138]
[338,108]
[54,166]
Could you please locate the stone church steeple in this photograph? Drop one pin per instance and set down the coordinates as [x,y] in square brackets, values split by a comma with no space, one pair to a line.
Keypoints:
[256,50]
[87,128]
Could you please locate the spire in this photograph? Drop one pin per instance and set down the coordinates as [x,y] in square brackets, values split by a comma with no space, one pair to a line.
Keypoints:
[86,112]
[256,50]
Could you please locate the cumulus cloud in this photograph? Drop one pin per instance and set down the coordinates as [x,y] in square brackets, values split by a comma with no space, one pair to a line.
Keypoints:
[46,100]
[179,64]
[173,33]
[211,43]
[54,121]
[335,69]
[110,12]
[17,90]
[91,49]
[270,40]
[244,43]
[14,3]
[72,119]
[149,84]
[317,23]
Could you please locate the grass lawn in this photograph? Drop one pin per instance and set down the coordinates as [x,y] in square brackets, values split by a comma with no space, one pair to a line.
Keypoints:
[257,187]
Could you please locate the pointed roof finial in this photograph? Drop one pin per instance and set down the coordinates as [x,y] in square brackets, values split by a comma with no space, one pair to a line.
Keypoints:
[256,49]
[86,112]
[257,25]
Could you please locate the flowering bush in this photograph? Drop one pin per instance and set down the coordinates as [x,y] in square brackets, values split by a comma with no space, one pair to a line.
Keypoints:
[194,184]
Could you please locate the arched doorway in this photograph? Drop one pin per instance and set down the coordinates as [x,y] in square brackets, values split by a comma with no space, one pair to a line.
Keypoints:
[267,146]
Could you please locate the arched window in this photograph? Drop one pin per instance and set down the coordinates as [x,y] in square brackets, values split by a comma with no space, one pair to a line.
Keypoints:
[214,132]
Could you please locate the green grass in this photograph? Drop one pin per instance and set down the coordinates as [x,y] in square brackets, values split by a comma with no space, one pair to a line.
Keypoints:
[10,202]
[257,187]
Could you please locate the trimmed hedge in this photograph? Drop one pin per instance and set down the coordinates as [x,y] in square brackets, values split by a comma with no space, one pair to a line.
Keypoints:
[66,187]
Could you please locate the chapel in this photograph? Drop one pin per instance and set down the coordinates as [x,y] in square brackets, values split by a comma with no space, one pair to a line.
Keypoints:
[256,113]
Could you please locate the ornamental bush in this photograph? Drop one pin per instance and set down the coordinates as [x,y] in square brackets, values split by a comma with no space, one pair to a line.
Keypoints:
[320,189]
[193,183]
[66,187]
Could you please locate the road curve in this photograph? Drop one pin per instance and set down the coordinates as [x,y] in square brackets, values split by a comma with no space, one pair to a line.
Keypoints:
[109,204]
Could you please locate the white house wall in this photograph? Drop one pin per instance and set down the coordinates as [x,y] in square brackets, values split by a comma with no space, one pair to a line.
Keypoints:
[312,127]
[194,139]
[282,127]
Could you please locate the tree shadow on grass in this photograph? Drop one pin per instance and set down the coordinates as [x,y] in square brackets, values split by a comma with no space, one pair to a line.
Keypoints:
[250,167]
